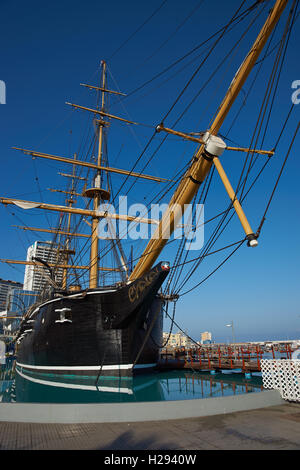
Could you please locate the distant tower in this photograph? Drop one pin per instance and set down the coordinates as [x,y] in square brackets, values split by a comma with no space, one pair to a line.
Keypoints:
[6,289]
[49,252]
[206,337]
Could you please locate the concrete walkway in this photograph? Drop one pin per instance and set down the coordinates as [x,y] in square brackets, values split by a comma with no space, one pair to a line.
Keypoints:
[272,428]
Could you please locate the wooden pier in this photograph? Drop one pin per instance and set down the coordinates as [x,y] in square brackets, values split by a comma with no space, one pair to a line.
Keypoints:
[246,358]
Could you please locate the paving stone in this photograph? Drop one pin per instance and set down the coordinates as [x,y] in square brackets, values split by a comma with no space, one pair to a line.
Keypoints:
[270,428]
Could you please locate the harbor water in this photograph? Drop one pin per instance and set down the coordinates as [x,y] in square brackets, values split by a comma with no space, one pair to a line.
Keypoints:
[16,386]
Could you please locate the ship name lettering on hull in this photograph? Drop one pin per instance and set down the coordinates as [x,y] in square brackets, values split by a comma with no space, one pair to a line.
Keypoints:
[137,289]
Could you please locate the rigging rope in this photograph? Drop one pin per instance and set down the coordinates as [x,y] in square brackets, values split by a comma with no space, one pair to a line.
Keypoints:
[223,32]
[278,179]
[216,269]
[202,63]
[138,29]
[288,29]
[276,68]
[182,331]
[174,32]
[239,18]
[171,326]
[249,167]
[180,117]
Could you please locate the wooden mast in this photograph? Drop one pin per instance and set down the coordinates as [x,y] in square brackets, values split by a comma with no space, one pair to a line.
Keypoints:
[94,237]
[203,161]
[67,251]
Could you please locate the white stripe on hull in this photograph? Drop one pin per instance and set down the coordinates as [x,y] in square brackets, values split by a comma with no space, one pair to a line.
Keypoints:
[95,368]
[76,386]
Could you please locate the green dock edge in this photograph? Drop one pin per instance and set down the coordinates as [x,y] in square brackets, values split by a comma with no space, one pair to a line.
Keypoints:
[136,412]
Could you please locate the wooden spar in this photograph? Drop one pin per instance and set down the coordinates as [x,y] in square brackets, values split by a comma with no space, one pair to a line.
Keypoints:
[62,266]
[100,122]
[102,89]
[269,153]
[28,293]
[76,210]
[72,193]
[129,218]
[90,165]
[161,127]
[58,232]
[50,207]
[71,176]
[236,204]
[200,166]
[102,113]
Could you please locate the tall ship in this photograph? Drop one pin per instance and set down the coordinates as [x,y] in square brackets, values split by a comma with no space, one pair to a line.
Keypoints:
[84,325]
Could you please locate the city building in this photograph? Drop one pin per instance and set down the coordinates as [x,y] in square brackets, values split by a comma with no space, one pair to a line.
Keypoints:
[177,340]
[36,276]
[17,304]
[206,337]
[6,289]
[20,300]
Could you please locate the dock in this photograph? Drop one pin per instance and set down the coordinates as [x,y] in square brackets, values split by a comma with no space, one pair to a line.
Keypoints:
[271,428]
[245,358]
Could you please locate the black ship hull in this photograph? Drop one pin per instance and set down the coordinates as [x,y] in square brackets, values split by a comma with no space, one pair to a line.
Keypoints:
[111,331]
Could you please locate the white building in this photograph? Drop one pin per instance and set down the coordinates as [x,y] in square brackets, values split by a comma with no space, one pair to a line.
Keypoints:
[35,277]
[177,340]
[6,289]
[205,336]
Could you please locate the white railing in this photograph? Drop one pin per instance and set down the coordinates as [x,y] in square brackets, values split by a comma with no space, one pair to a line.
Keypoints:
[282,375]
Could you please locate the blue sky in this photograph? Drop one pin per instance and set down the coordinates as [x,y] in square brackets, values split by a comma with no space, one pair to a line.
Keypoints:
[48,49]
